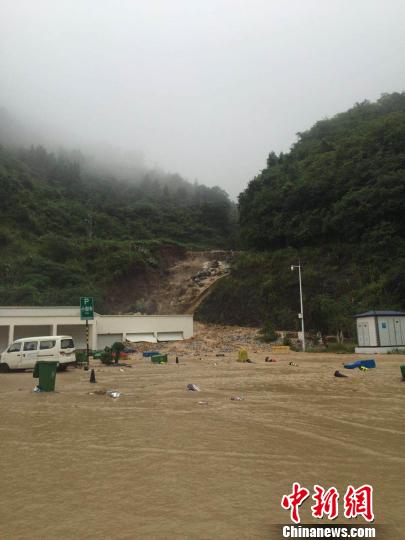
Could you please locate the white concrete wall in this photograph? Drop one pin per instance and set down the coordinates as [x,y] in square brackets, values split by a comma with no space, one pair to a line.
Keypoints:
[25,322]
[39,320]
[78,333]
[133,324]
[26,326]
[32,331]
[376,350]
[57,311]
[394,333]
[3,338]
[106,340]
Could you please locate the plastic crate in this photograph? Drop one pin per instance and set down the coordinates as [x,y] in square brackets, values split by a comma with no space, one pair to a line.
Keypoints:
[159,359]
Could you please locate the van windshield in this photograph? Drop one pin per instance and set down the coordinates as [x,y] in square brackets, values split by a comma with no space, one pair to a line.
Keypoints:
[67,344]
[14,347]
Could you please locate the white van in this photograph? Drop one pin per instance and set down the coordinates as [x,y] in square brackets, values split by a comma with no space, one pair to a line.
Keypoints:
[24,353]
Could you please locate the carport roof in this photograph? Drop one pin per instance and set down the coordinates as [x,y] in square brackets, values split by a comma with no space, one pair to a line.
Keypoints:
[380,314]
[34,311]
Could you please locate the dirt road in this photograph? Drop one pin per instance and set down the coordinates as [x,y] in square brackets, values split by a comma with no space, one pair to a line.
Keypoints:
[161,462]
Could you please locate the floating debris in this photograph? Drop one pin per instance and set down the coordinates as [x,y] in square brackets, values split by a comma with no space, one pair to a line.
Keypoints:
[338,374]
[113,393]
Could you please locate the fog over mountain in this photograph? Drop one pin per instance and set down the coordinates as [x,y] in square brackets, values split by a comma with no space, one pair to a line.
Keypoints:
[202,89]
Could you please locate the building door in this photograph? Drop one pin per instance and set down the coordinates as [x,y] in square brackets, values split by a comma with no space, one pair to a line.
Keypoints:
[360,334]
[384,333]
[366,334]
[402,324]
[399,338]
[363,334]
[106,340]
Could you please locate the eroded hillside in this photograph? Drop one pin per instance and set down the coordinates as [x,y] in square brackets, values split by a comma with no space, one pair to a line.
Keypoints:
[181,282]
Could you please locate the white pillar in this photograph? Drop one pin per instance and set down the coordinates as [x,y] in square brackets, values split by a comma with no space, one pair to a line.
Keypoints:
[10,334]
[94,335]
[54,329]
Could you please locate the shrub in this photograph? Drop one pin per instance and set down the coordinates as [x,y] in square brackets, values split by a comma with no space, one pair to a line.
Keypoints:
[81,357]
[107,356]
[340,347]
[117,349]
[268,332]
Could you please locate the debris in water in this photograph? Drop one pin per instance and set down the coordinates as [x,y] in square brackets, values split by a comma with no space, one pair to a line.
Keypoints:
[113,393]
[338,374]
[242,355]
[237,398]
[193,387]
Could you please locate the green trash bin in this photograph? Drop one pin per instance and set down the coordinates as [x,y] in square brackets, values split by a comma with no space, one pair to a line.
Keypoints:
[46,373]
[159,358]
[403,371]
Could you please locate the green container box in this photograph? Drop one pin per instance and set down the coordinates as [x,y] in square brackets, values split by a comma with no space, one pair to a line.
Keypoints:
[46,373]
[159,358]
[402,367]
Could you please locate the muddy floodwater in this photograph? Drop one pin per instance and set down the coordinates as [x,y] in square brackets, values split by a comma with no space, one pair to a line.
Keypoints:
[161,462]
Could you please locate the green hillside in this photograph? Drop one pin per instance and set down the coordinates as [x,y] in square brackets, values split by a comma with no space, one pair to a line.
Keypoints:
[337,202]
[67,230]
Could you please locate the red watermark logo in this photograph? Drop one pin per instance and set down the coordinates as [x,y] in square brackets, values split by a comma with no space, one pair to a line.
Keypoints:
[356,502]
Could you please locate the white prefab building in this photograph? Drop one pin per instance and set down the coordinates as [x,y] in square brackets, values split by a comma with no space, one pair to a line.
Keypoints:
[380,331]
[20,322]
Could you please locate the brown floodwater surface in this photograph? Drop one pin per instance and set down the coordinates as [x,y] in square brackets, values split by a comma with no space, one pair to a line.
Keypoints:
[157,464]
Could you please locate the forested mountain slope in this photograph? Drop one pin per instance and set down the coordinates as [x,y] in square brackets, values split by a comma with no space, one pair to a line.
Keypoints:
[67,230]
[337,201]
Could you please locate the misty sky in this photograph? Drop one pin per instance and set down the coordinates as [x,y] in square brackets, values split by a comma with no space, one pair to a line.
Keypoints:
[204,88]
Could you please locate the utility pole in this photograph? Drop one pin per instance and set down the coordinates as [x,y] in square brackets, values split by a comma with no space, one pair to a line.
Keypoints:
[300,315]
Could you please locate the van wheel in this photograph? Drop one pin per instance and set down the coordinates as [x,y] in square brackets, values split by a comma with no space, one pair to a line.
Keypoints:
[4,368]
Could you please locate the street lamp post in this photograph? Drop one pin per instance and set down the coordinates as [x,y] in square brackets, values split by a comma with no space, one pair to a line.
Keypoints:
[301,315]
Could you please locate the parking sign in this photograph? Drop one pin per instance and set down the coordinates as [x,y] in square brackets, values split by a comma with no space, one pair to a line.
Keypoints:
[86,308]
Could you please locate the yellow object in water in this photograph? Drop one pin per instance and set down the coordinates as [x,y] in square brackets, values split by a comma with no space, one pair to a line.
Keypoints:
[363,368]
[243,355]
